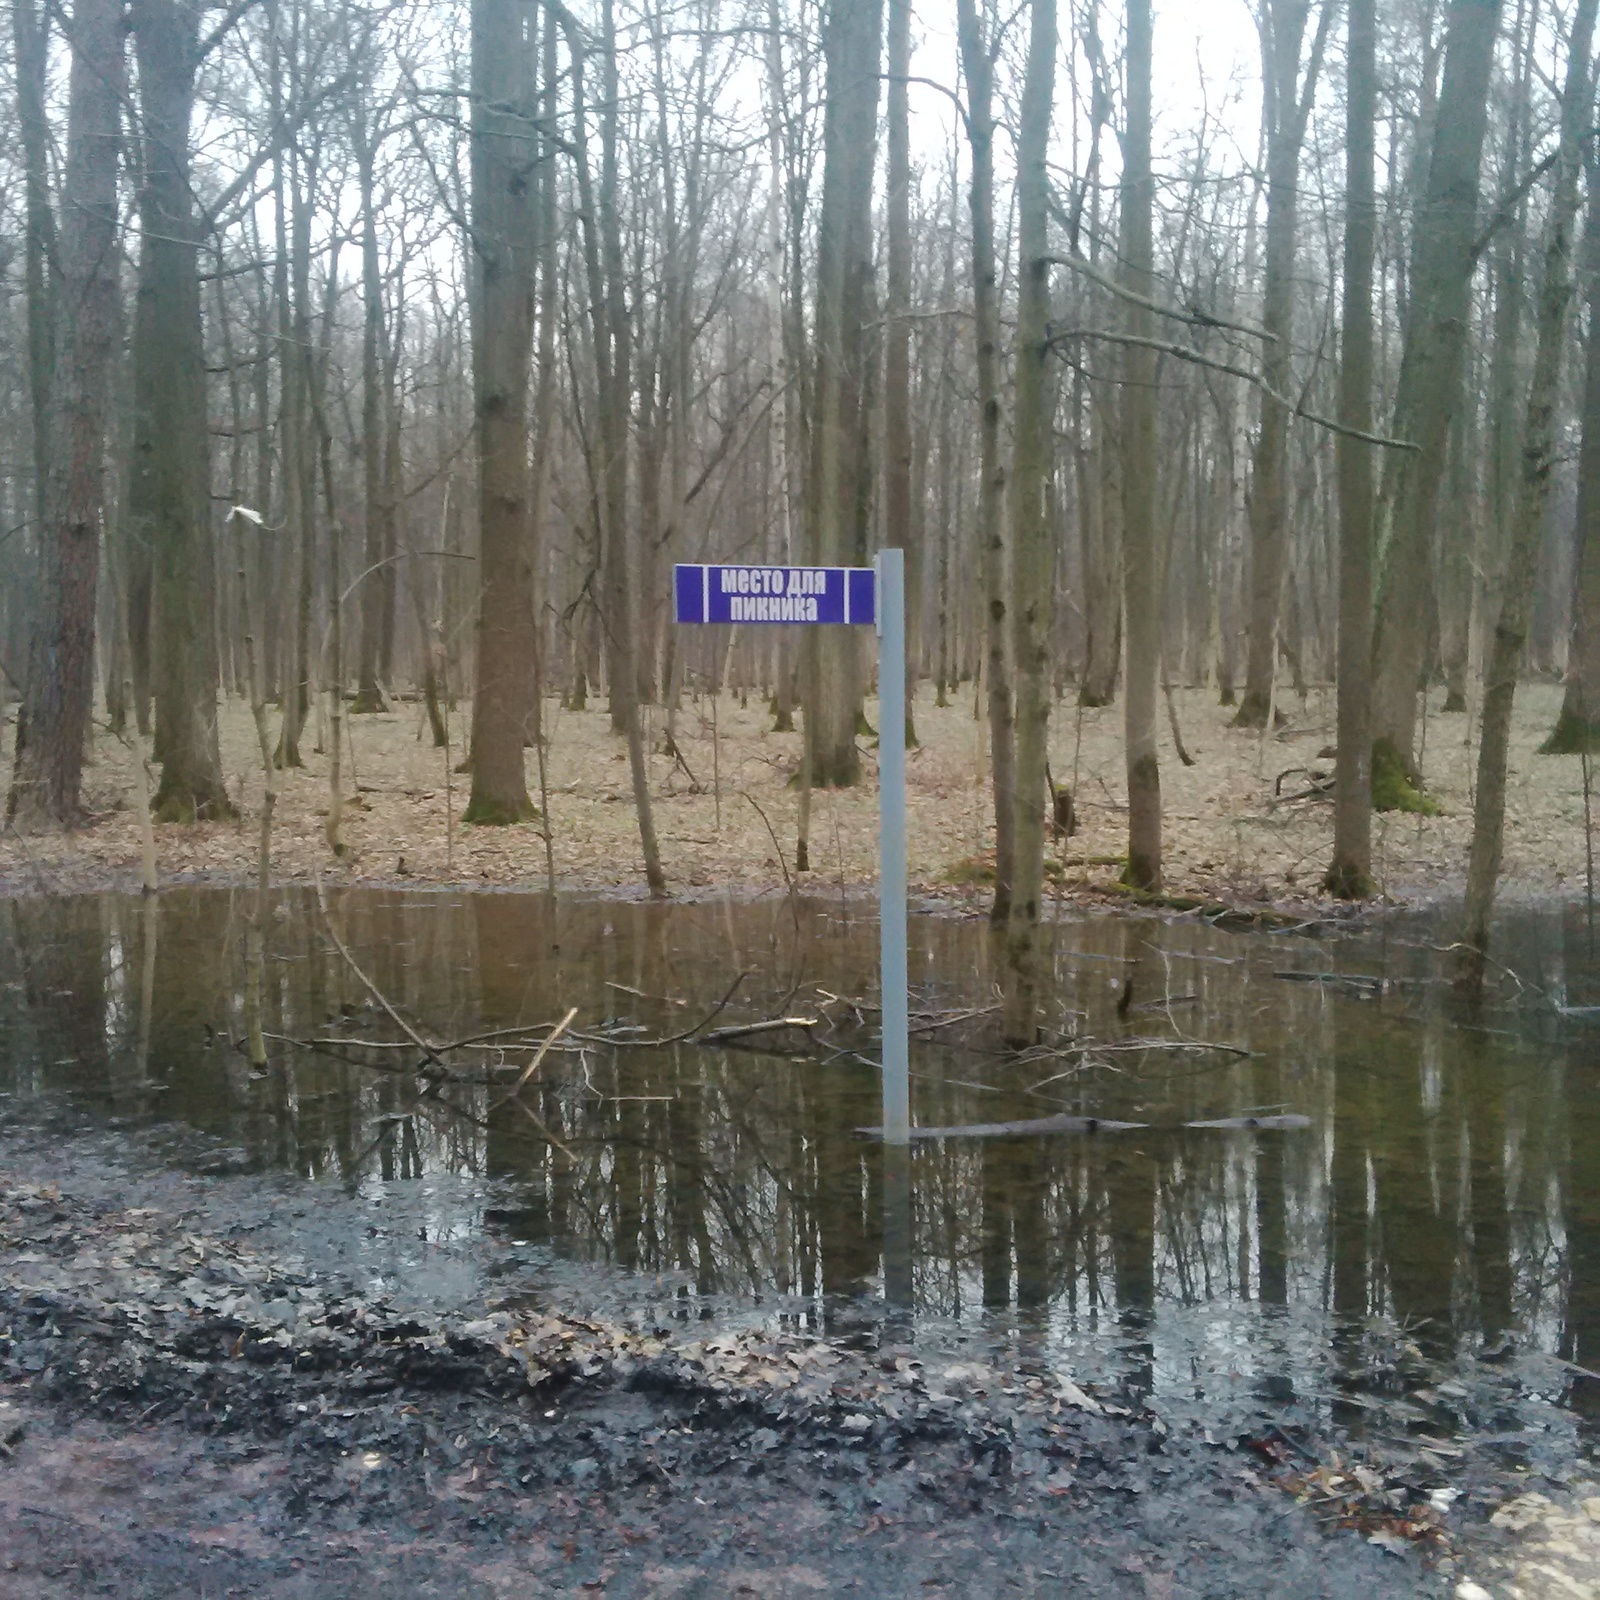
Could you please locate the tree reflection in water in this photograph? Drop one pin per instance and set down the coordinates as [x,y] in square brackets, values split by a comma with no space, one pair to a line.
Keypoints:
[1450,1181]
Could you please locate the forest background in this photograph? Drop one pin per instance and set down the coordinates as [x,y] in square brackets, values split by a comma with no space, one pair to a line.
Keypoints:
[1229,377]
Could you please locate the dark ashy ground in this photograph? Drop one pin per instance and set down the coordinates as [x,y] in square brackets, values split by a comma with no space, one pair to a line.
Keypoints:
[200,1393]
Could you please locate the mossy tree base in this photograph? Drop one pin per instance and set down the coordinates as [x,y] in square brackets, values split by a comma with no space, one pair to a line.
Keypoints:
[829,777]
[1140,874]
[1454,701]
[495,814]
[1571,736]
[1346,881]
[368,703]
[1252,712]
[179,800]
[1394,787]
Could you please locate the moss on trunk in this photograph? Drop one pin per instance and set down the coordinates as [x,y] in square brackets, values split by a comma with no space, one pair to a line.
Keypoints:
[1571,736]
[490,814]
[1394,787]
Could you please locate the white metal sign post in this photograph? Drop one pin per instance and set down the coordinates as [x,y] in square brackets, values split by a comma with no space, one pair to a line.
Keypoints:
[854,597]
[891,566]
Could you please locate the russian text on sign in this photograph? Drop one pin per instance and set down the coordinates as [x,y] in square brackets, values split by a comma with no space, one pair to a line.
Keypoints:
[786,594]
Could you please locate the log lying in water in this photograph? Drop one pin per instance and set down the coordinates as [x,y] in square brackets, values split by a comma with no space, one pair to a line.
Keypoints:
[1066,1124]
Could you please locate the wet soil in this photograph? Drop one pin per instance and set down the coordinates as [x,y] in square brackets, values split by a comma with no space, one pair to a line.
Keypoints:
[184,1407]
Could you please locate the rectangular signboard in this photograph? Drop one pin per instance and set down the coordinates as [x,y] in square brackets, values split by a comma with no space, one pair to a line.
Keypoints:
[846,595]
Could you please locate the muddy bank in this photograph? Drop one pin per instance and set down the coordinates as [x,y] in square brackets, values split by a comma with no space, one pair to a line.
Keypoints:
[189,1402]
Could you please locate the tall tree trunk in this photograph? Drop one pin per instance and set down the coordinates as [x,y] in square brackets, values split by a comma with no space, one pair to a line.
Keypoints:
[978,64]
[549,305]
[170,495]
[1032,541]
[1538,446]
[1578,725]
[1484,551]
[852,33]
[615,407]
[1102,552]
[1437,318]
[601,231]
[779,441]
[1141,600]
[1458,556]
[369,696]
[299,488]
[389,505]
[261,572]
[505,38]
[897,348]
[47,784]
[32,43]
[1287,106]
[1350,873]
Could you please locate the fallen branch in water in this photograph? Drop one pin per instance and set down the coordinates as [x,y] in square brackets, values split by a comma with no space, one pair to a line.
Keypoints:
[744,1030]
[538,1060]
[671,1038]
[1073,1124]
[1084,1047]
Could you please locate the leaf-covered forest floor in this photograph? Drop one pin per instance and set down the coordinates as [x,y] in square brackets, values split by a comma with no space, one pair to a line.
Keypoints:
[1229,835]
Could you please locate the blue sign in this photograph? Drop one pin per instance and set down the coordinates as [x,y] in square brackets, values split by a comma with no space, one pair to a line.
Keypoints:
[845,595]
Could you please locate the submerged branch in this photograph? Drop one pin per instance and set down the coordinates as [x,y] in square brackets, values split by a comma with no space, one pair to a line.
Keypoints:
[372,988]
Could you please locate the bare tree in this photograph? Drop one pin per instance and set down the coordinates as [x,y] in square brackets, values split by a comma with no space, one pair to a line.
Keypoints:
[1440,282]
[1141,600]
[977,58]
[1538,448]
[170,493]
[835,501]
[47,783]
[897,349]
[1350,874]
[1032,543]
[1286,107]
[366,131]
[505,147]
[31,37]
[1578,723]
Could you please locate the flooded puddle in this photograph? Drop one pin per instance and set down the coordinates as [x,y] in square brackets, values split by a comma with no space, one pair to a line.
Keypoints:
[1419,1260]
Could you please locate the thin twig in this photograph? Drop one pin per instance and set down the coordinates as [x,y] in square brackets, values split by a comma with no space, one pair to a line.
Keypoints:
[1183,353]
[1193,315]
[673,1038]
[377,994]
[783,866]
